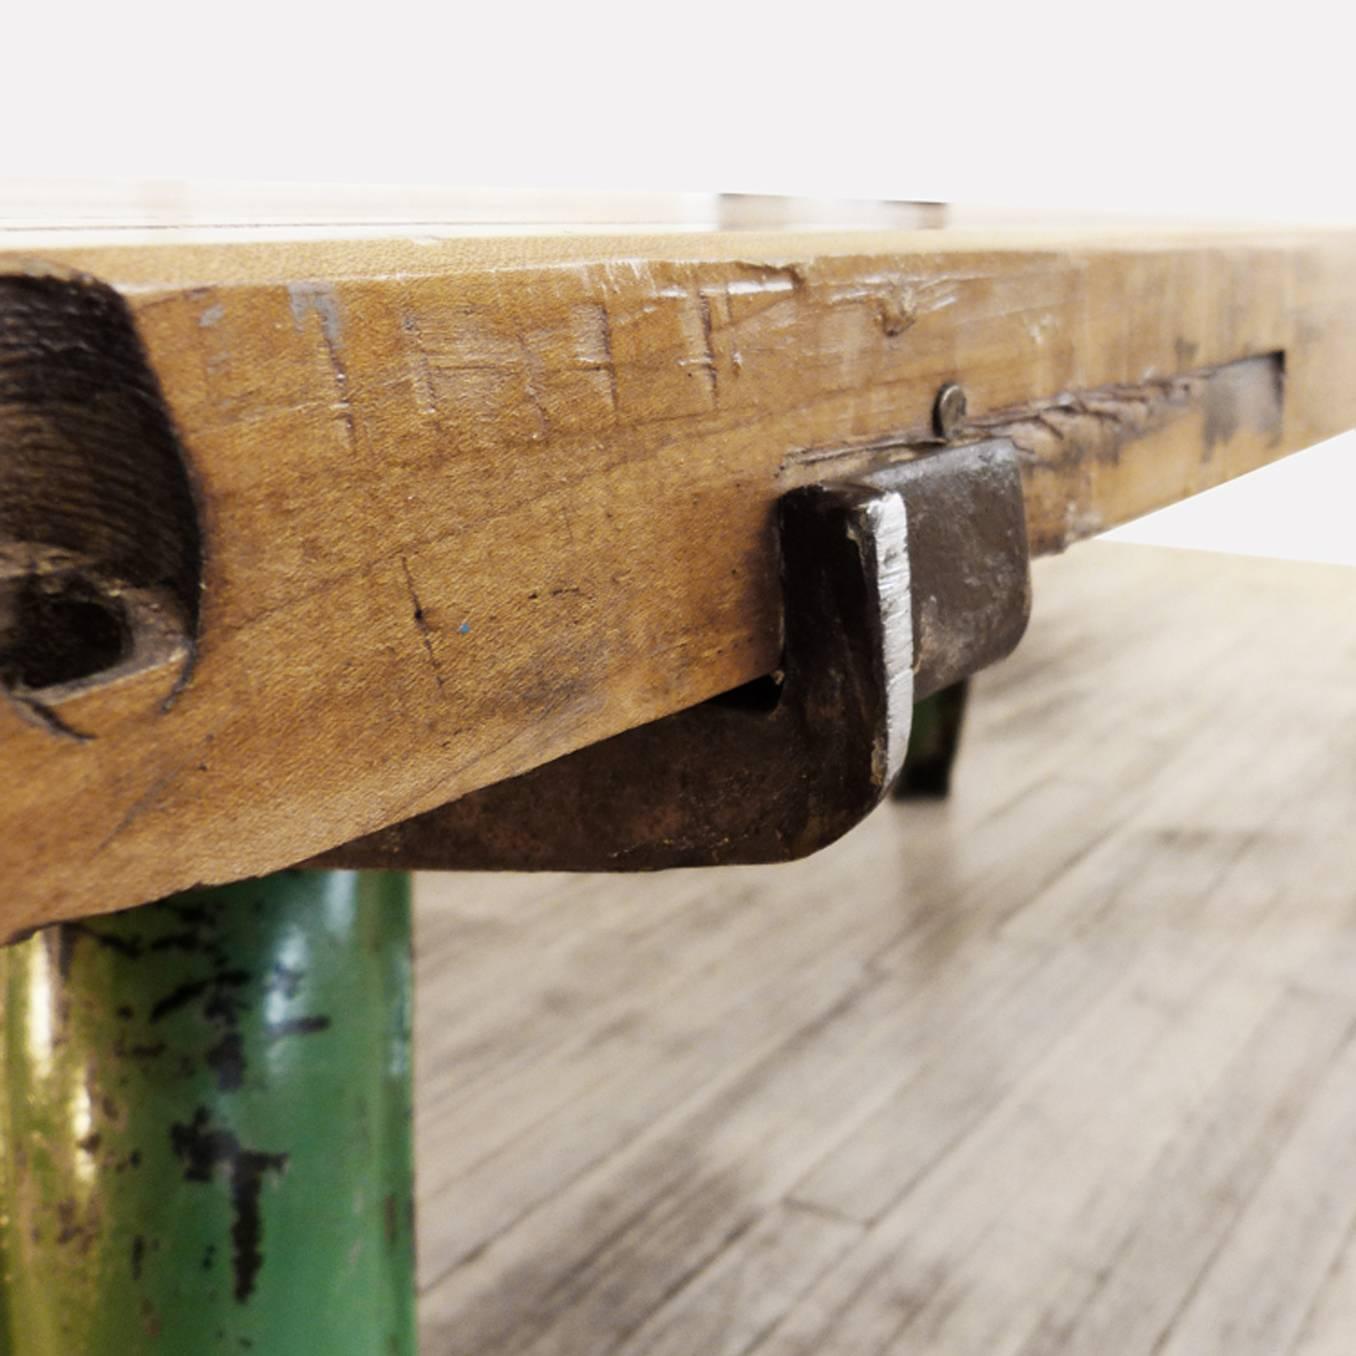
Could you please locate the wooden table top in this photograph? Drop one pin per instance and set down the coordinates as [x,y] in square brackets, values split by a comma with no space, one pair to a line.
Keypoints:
[394,512]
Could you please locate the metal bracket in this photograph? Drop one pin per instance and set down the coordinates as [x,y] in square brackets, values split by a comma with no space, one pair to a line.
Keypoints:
[895,585]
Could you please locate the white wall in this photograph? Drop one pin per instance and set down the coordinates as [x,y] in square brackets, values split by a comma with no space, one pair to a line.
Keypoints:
[1302,508]
[1167,107]
[1161,106]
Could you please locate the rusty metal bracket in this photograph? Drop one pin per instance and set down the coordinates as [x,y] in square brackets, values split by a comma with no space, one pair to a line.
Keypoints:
[895,585]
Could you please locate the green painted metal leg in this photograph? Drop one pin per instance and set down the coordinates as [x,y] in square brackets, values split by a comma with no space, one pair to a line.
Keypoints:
[934,740]
[205,1123]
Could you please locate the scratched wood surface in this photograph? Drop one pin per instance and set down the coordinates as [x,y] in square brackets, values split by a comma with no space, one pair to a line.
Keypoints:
[1064,1066]
[465,504]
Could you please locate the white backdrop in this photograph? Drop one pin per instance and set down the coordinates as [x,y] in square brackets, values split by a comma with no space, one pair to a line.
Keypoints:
[1178,109]
[1301,508]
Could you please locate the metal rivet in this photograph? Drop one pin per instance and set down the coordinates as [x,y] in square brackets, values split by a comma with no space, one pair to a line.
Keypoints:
[948,411]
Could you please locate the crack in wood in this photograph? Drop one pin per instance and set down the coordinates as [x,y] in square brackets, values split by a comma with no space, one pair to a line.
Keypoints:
[421,623]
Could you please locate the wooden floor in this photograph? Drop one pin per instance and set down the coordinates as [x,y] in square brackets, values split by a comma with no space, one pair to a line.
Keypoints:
[1065,1065]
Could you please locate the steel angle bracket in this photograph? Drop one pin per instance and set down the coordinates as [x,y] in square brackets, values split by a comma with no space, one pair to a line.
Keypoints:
[895,584]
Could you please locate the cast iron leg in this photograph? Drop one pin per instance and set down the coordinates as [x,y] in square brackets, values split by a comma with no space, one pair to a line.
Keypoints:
[205,1124]
[934,739]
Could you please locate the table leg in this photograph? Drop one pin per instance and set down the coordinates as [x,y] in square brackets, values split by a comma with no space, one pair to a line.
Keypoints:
[205,1124]
[934,740]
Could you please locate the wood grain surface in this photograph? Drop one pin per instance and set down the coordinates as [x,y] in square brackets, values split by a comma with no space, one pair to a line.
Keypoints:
[465,505]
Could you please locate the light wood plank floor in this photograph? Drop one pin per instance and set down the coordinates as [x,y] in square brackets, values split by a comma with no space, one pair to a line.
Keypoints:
[1064,1065]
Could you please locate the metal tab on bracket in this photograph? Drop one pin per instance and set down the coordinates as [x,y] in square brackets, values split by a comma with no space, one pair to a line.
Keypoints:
[895,584]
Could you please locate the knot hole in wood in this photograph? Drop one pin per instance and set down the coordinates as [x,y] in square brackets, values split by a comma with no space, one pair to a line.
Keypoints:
[100,542]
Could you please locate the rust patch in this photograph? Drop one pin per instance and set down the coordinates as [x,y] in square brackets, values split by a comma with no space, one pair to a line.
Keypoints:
[150,1319]
[296,1026]
[203,1149]
[227,1060]
[76,1225]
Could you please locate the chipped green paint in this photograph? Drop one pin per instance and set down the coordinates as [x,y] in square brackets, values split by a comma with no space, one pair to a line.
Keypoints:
[205,1126]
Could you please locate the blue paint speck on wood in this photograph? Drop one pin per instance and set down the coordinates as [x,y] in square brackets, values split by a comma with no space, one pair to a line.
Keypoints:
[463,628]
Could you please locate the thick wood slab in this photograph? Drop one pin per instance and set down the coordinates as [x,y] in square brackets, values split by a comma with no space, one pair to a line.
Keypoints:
[468,504]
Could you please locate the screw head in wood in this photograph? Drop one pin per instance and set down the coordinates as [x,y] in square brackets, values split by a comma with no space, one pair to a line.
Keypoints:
[948,410]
